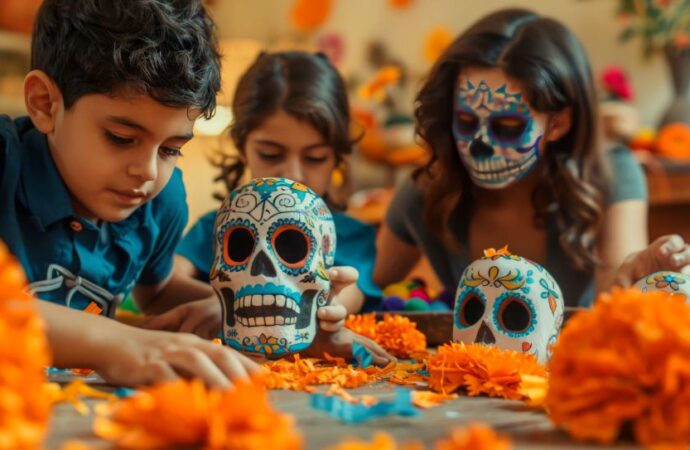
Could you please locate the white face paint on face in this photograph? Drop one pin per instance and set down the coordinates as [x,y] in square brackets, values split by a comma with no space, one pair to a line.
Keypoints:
[510,302]
[274,241]
[497,134]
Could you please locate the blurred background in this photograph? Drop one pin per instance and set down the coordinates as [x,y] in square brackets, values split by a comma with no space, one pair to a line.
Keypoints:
[639,50]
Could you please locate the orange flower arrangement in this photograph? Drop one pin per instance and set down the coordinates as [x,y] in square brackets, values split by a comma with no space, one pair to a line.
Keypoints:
[24,355]
[625,364]
[480,370]
[395,333]
[376,87]
[308,15]
[475,436]
[673,141]
[186,413]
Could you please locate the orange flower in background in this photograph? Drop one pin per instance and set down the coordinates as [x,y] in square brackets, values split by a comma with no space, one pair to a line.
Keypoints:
[400,4]
[24,355]
[673,142]
[308,15]
[186,413]
[375,89]
[436,42]
[364,324]
[400,336]
[480,370]
[625,363]
[395,333]
[475,436]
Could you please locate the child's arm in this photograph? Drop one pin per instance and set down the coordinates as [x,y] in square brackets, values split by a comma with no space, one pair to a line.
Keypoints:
[176,290]
[394,257]
[125,355]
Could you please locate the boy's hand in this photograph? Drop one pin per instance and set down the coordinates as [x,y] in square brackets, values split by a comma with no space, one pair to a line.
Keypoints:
[146,357]
[201,317]
[340,344]
[666,253]
[332,317]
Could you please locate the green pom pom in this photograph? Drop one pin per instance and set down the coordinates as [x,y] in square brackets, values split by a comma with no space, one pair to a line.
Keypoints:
[416,304]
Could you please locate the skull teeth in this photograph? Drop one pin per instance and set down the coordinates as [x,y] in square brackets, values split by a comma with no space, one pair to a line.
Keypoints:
[266,321]
[266,310]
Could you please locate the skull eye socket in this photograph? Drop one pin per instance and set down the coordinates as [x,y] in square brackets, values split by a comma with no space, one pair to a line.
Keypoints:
[514,315]
[238,244]
[291,245]
[470,308]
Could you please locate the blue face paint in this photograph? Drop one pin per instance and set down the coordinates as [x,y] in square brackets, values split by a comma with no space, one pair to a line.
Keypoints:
[495,133]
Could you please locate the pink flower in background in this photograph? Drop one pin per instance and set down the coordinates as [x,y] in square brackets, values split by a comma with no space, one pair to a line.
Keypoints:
[616,83]
[333,46]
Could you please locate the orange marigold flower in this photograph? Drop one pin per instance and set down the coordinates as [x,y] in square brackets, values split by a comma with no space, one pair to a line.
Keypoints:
[24,355]
[308,15]
[475,436]
[491,252]
[364,324]
[480,370]
[186,413]
[395,333]
[624,364]
[436,42]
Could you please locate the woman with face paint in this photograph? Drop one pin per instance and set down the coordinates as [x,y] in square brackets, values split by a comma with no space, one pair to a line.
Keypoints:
[509,115]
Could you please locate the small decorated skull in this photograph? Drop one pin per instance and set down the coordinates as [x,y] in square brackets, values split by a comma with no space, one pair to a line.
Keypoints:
[672,282]
[274,241]
[508,301]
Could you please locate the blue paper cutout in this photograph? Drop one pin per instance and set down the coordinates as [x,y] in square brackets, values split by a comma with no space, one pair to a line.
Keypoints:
[353,413]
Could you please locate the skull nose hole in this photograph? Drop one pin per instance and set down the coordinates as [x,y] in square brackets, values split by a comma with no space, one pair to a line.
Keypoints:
[478,149]
[263,265]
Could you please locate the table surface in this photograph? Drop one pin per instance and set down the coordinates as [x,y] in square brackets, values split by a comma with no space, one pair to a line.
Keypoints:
[529,429]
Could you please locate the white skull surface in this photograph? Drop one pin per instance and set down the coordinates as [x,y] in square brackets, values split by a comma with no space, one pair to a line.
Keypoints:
[671,282]
[274,241]
[510,302]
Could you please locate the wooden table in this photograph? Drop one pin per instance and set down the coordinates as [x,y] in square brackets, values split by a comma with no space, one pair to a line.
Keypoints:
[529,429]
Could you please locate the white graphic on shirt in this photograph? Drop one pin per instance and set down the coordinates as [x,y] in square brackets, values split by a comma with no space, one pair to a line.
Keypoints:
[58,276]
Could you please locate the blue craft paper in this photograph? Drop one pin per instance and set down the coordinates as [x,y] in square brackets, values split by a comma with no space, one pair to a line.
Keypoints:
[353,413]
[362,355]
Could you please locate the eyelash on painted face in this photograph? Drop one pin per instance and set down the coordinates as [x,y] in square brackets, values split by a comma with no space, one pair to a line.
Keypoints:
[270,156]
[316,160]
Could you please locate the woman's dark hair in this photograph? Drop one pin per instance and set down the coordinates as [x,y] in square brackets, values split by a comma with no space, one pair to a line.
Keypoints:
[304,85]
[162,48]
[552,68]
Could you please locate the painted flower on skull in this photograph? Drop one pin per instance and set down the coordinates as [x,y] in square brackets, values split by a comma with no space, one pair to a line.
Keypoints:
[510,302]
[495,133]
[274,241]
[672,282]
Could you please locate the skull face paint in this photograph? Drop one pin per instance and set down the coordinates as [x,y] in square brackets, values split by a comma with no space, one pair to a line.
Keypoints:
[274,241]
[496,133]
[674,283]
[510,302]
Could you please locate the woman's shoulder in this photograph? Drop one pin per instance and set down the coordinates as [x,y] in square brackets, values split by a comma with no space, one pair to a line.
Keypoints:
[628,181]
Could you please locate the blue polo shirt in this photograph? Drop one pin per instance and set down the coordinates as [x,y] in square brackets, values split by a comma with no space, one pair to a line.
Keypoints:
[355,247]
[68,259]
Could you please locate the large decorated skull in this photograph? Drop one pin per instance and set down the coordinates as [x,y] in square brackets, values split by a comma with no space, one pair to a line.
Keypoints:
[274,241]
[510,302]
[672,282]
